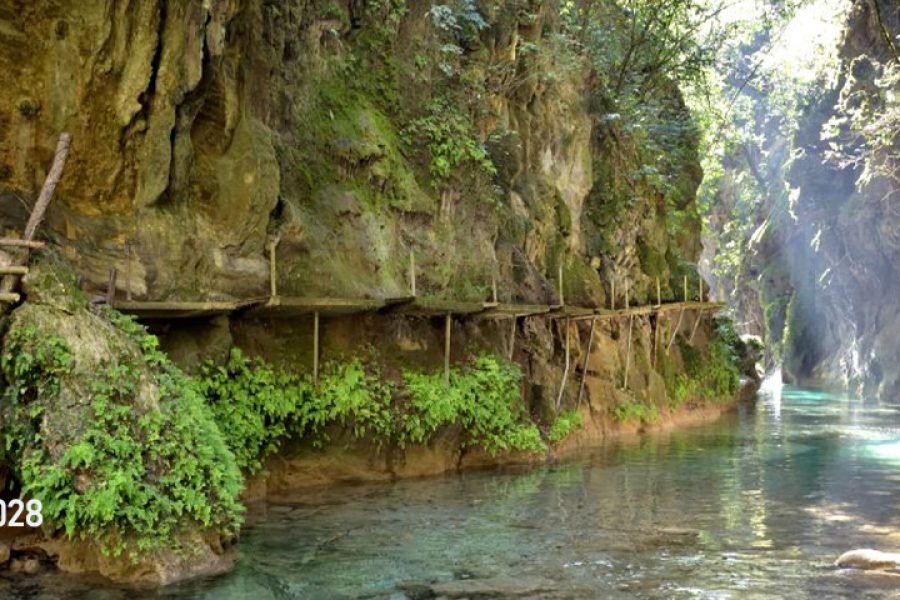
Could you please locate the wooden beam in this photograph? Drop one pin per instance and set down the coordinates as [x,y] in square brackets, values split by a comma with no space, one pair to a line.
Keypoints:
[685,299]
[17,243]
[128,271]
[658,293]
[628,353]
[9,298]
[562,384]
[40,207]
[316,348]
[675,331]
[14,270]
[412,273]
[494,289]
[111,287]
[273,271]
[447,323]
[612,294]
[696,325]
[587,359]
[562,298]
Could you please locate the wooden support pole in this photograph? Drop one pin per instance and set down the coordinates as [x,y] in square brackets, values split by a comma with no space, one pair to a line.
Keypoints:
[655,338]
[17,243]
[40,207]
[412,273]
[562,299]
[612,294]
[316,348]
[494,288]
[675,331]
[128,271]
[565,377]
[696,325]
[512,337]
[658,293]
[447,322]
[273,272]
[587,360]
[685,289]
[9,298]
[700,278]
[14,270]
[628,352]
[111,286]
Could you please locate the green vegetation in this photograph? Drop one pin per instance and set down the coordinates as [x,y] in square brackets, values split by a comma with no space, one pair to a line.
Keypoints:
[483,399]
[144,463]
[711,373]
[629,412]
[451,142]
[567,422]
[258,407]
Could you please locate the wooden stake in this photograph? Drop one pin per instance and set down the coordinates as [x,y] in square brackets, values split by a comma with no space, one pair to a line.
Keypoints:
[700,299]
[562,299]
[587,359]
[658,293]
[17,270]
[675,331]
[128,271]
[626,297]
[40,207]
[512,337]
[17,243]
[562,385]
[696,325]
[412,273]
[273,272]
[111,287]
[494,288]
[9,298]
[447,349]
[612,294]
[685,289]
[316,348]
[628,352]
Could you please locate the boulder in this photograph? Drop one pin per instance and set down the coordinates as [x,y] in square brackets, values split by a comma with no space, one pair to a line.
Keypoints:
[868,559]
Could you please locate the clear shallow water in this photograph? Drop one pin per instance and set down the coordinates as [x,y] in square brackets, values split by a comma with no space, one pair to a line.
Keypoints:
[757,505]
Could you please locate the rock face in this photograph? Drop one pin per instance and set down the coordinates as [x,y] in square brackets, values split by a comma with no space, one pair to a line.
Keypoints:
[845,272]
[868,559]
[822,265]
[203,130]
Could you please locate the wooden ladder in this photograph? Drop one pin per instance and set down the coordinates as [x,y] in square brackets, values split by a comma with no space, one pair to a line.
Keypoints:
[20,249]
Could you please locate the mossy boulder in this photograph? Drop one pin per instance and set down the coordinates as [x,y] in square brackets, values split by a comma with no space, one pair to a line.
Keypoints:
[135,478]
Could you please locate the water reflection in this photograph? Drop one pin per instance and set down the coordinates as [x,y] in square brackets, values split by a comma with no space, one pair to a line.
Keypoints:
[757,505]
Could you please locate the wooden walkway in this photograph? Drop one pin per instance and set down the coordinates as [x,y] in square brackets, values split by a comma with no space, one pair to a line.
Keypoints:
[291,306]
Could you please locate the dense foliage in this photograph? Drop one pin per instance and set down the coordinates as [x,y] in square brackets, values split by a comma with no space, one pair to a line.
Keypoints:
[133,475]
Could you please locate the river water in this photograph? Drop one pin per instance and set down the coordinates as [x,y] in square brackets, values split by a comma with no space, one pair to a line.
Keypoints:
[756,505]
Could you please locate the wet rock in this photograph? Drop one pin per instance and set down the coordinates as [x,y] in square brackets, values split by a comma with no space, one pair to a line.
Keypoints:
[868,559]
[495,587]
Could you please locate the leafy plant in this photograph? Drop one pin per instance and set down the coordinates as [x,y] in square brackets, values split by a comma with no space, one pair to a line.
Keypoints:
[566,423]
[144,464]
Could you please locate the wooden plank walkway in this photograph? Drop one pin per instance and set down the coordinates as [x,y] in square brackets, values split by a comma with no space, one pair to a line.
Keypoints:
[288,307]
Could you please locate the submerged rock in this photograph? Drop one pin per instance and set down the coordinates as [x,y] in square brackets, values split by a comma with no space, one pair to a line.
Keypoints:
[868,559]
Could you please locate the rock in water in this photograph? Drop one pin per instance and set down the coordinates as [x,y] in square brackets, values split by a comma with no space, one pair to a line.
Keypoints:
[868,559]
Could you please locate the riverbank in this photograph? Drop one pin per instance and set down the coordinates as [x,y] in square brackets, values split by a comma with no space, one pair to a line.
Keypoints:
[299,467]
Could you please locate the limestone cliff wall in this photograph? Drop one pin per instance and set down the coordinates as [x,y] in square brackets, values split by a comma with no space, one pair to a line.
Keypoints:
[204,130]
[841,325]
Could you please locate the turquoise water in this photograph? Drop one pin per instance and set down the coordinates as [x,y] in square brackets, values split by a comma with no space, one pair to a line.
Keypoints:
[757,505]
